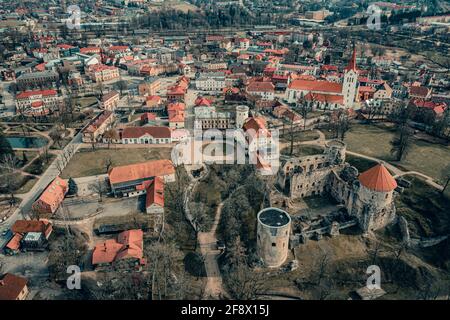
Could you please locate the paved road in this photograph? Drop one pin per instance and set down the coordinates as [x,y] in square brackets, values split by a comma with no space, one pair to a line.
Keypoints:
[48,176]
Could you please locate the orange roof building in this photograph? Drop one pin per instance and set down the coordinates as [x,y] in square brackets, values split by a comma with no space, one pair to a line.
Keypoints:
[127,180]
[155,196]
[13,287]
[378,179]
[129,245]
[51,198]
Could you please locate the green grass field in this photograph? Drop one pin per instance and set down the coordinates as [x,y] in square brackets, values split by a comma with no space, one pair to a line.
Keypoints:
[92,162]
[374,141]
[302,150]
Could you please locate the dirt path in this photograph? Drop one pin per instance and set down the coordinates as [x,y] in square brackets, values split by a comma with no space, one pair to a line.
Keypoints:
[208,247]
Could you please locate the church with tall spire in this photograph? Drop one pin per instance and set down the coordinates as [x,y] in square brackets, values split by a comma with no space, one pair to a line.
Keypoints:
[350,83]
[323,94]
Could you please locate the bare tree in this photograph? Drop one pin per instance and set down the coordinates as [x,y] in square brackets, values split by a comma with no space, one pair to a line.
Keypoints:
[304,110]
[401,143]
[108,163]
[110,135]
[56,134]
[99,187]
[446,177]
[9,164]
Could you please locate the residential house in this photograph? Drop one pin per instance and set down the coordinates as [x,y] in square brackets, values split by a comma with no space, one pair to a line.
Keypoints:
[52,197]
[262,89]
[146,135]
[29,235]
[110,101]
[130,180]
[38,102]
[122,253]
[102,73]
[13,287]
[97,127]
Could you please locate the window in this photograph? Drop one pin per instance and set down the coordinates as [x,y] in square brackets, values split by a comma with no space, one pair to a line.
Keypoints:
[274,244]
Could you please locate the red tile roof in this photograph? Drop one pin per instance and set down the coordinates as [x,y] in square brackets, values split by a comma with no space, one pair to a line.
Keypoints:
[258,124]
[14,243]
[201,101]
[27,94]
[378,179]
[155,193]
[97,122]
[11,286]
[261,86]
[352,63]
[317,86]
[129,244]
[25,226]
[330,98]
[109,95]
[137,132]
[419,91]
[143,170]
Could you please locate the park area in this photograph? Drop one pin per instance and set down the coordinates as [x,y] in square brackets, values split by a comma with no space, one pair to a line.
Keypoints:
[374,141]
[88,162]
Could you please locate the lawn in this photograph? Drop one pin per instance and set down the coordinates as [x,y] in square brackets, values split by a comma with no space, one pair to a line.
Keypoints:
[302,150]
[425,209]
[29,155]
[27,186]
[299,136]
[85,102]
[89,162]
[374,141]
[370,140]
[360,163]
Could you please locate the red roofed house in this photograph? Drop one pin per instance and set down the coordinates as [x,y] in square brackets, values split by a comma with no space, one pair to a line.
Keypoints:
[50,200]
[419,92]
[98,126]
[176,115]
[100,72]
[124,253]
[154,203]
[130,180]
[202,101]
[90,50]
[13,287]
[110,100]
[427,108]
[29,235]
[38,102]
[262,89]
[146,135]
[324,101]
[147,117]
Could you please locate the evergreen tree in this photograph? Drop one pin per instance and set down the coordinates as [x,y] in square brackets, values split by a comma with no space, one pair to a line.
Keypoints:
[73,188]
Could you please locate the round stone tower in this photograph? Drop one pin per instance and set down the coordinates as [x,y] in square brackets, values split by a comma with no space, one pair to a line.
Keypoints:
[241,116]
[274,226]
[376,197]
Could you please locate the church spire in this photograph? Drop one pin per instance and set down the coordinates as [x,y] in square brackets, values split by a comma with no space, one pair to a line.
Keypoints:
[352,63]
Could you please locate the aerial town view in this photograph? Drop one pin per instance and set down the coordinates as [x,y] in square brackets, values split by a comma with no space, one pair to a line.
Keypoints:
[224,150]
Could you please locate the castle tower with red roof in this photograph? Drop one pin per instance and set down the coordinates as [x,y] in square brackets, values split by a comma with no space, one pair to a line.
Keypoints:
[375,198]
